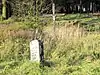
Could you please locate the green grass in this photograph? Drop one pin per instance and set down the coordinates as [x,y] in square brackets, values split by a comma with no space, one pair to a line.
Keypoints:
[70,57]
[71,51]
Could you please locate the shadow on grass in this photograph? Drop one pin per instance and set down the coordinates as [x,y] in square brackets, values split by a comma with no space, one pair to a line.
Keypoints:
[47,63]
[92,22]
[92,25]
[2,67]
[73,17]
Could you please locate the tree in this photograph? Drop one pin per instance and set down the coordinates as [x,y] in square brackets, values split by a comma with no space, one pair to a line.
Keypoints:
[4,9]
[24,8]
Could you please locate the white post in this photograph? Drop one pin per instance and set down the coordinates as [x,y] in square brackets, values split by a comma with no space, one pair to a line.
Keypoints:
[53,15]
[34,51]
[53,11]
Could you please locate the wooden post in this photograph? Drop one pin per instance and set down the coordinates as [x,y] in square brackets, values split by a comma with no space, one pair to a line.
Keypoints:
[53,15]
[53,11]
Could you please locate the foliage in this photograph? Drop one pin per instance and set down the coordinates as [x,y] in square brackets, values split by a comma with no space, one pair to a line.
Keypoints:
[22,8]
[71,51]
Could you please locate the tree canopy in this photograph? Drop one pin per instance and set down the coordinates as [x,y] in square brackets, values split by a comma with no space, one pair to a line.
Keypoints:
[29,7]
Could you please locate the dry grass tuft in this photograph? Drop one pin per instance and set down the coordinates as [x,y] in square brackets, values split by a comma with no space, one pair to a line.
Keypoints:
[7,31]
[67,31]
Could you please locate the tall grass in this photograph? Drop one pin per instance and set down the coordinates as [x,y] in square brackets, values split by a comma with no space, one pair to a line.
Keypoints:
[73,50]
[70,50]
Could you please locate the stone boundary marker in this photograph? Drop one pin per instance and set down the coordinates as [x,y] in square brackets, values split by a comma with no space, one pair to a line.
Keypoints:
[36,51]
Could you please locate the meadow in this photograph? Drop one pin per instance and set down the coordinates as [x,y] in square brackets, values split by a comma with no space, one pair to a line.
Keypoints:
[72,48]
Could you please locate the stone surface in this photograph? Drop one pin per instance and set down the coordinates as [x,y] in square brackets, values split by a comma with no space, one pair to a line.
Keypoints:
[35,51]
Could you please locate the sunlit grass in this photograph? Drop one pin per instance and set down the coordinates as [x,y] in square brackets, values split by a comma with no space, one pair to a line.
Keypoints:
[71,50]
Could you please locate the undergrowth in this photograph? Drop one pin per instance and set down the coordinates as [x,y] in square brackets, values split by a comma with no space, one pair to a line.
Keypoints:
[71,51]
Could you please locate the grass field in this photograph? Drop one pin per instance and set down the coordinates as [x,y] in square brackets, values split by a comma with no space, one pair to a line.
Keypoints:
[74,48]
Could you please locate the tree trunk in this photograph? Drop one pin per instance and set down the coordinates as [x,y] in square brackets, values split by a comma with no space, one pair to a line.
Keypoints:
[4,9]
[80,6]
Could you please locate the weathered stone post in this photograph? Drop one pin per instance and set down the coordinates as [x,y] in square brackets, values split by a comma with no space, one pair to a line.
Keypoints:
[36,51]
